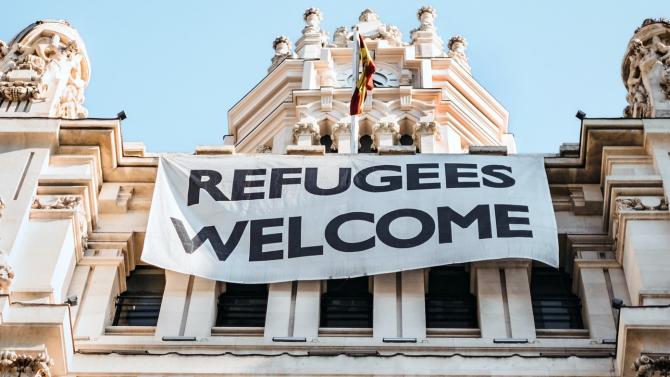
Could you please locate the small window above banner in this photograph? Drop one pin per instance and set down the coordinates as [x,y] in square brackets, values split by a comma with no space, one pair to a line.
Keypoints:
[263,219]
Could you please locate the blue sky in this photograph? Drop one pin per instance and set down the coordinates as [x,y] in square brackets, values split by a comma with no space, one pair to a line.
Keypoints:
[177,67]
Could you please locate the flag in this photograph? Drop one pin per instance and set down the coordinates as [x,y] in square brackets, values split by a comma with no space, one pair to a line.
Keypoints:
[364,81]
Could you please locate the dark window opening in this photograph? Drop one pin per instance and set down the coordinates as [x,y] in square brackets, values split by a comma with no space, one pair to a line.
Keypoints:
[242,305]
[327,142]
[449,303]
[406,140]
[347,303]
[366,145]
[140,304]
[554,304]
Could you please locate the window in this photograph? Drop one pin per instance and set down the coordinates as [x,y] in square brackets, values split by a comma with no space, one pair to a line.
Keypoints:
[366,145]
[140,304]
[242,305]
[347,303]
[406,140]
[554,304]
[449,303]
[327,143]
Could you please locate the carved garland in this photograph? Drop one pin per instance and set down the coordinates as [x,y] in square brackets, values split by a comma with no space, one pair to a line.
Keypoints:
[13,364]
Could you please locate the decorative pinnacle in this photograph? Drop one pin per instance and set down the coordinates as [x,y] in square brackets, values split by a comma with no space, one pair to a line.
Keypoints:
[281,39]
[310,11]
[455,39]
[424,9]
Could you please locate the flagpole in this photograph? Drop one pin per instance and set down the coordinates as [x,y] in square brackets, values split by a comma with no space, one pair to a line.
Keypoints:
[356,73]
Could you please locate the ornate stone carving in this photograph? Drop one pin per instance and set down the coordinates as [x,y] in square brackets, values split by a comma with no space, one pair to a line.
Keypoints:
[263,149]
[341,37]
[31,67]
[637,204]
[13,364]
[6,274]
[648,365]
[4,49]
[282,47]
[426,16]
[371,27]
[457,45]
[63,202]
[2,206]
[71,102]
[341,129]
[382,130]
[646,71]
[392,34]
[312,18]
[306,131]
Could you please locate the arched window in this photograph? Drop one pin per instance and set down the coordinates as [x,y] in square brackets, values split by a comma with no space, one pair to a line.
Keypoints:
[327,142]
[366,145]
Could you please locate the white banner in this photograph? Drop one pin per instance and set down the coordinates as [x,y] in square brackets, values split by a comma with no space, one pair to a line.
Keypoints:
[269,218]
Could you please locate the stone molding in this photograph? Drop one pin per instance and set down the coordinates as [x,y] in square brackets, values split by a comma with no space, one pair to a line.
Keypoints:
[63,202]
[13,364]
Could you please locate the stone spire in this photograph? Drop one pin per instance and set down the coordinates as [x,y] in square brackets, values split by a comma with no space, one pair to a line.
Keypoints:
[646,71]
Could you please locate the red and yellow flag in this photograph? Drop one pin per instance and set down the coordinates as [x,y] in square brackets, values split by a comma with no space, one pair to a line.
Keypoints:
[364,81]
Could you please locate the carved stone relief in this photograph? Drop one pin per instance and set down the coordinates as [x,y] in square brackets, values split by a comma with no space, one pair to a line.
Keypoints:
[30,69]
[15,365]
[649,366]
[639,204]
[646,71]
[63,202]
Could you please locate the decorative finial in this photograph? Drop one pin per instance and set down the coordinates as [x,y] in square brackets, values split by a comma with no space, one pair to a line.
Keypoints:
[341,37]
[426,9]
[282,47]
[457,45]
[368,15]
[312,18]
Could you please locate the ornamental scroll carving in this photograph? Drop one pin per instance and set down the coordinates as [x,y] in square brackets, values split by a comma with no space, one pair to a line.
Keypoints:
[15,365]
[649,366]
[63,202]
[646,71]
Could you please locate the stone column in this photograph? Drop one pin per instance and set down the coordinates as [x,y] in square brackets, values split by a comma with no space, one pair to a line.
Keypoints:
[597,307]
[342,137]
[96,309]
[306,133]
[427,136]
[386,133]
[384,310]
[306,319]
[519,302]
[202,308]
[413,296]
[491,308]
[279,310]
[172,306]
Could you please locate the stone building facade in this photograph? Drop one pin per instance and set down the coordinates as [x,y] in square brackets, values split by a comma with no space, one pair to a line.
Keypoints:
[77,301]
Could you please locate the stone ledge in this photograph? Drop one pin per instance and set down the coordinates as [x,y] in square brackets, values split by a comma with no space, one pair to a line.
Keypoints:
[396,150]
[306,150]
[213,150]
[497,150]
